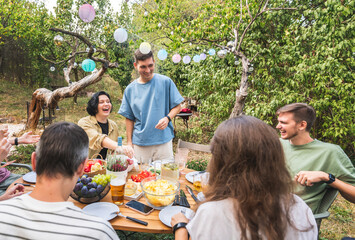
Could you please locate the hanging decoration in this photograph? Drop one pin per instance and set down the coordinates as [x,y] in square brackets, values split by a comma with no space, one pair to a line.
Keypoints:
[120,35]
[176,58]
[87,13]
[145,13]
[196,58]
[88,65]
[58,40]
[230,44]
[145,48]
[211,52]
[159,24]
[222,53]
[203,56]
[52,68]
[186,59]
[162,54]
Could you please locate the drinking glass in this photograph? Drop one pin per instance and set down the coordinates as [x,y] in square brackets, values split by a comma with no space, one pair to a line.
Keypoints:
[144,163]
[181,158]
[197,182]
[205,181]
[169,169]
[117,189]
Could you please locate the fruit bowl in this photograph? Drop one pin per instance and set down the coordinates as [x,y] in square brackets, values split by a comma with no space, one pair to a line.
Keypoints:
[159,193]
[88,190]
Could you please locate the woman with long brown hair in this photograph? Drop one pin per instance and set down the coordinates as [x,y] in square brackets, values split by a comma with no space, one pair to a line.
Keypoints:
[249,194]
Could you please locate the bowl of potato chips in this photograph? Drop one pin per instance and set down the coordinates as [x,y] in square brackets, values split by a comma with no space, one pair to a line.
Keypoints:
[159,193]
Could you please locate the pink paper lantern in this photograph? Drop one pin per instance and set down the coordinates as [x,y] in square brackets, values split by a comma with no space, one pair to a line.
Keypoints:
[87,13]
[176,58]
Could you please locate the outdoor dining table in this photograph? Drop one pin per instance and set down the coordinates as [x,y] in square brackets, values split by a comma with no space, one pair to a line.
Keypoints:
[120,223]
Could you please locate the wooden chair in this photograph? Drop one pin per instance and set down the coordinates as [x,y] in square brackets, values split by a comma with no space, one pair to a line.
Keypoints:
[193,146]
[328,199]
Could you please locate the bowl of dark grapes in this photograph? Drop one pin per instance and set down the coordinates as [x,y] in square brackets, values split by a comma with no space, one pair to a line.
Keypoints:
[91,189]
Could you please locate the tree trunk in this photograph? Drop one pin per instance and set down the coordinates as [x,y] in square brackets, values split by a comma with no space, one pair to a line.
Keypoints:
[241,93]
[43,97]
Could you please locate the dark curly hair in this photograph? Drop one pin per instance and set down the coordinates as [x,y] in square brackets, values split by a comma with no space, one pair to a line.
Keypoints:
[94,102]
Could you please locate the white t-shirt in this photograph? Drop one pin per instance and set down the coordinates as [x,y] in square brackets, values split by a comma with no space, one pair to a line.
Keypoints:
[24,217]
[216,220]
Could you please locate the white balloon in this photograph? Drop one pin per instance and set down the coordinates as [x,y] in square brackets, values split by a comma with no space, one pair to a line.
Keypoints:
[145,48]
[120,35]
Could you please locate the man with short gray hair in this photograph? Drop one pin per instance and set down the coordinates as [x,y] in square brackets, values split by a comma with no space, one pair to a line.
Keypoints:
[59,161]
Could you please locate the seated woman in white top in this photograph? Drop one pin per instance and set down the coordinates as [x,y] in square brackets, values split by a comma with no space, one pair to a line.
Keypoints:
[249,194]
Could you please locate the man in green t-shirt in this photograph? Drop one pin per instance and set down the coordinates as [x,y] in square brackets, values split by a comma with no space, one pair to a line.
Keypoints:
[315,165]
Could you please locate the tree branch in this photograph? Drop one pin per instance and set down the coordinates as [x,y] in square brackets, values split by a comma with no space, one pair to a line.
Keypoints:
[251,17]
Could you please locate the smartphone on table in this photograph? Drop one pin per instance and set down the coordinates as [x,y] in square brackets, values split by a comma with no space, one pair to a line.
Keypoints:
[139,207]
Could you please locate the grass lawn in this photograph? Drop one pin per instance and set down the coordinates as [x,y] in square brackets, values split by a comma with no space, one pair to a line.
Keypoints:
[13,104]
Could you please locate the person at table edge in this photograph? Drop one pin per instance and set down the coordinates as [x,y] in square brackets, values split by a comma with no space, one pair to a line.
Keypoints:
[249,189]
[6,177]
[45,213]
[315,165]
[102,131]
[149,103]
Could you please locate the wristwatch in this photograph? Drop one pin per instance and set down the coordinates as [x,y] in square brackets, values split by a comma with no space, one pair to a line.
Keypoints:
[179,225]
[331,179]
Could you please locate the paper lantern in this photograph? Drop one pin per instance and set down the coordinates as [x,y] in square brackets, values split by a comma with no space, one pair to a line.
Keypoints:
[120,35]
[202,56]
[145,48]
[87,13]
[88,65]
[159,24]
[176,58]
[52,68]
[230,44]
[196,58]
[162,54]
[58,40]
[186,59]
[222,53]
[211,52]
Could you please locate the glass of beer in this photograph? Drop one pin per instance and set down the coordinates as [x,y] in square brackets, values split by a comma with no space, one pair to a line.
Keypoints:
[117,190]
[197,182]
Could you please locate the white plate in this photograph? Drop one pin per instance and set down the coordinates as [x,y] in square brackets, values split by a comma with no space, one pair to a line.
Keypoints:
[102,209]
[167,213]
[30,177]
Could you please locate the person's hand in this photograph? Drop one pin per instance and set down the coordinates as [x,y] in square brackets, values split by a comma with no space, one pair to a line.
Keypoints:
[14,191]
[128,150]
[5,147]
[162,124]
[177,218]
[28,138]
[308,178]
[3,131]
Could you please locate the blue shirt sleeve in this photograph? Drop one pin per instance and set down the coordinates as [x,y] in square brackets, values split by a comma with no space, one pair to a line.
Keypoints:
[125,109]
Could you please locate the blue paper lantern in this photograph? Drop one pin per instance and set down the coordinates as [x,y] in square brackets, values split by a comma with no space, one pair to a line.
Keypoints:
[162,54]
[196,58]
[211,52]
[88,65]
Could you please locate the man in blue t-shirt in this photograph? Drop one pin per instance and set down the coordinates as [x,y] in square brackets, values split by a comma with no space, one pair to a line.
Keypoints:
[149,103]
